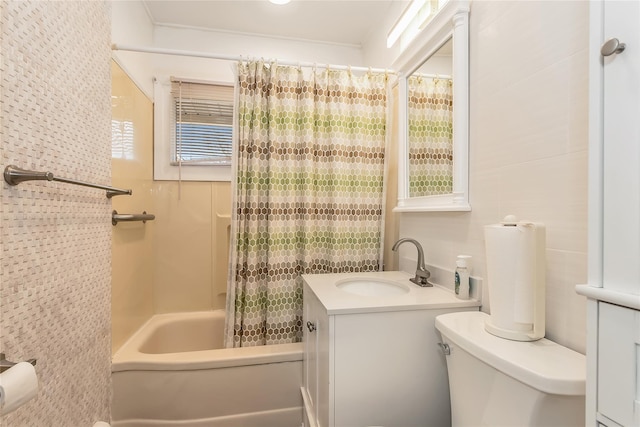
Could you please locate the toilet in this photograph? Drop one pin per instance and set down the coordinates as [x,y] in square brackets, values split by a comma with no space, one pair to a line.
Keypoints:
[500,382]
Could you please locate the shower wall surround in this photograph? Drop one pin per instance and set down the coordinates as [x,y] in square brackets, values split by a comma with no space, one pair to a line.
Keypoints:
[178,262]
[132,261]
[56,238]
[191,245]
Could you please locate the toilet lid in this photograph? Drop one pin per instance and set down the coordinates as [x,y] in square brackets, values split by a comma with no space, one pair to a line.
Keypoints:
[543,364]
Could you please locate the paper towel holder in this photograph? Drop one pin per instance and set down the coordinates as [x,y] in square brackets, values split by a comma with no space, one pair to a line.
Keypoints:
[6,364]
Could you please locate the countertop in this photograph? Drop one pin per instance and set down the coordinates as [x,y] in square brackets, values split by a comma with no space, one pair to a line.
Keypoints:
[338,301]
[607,295]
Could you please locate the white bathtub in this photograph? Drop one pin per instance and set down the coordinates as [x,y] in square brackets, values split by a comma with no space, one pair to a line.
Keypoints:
[174,372]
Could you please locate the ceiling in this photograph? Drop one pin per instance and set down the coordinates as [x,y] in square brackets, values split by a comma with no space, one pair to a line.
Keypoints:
[335,21]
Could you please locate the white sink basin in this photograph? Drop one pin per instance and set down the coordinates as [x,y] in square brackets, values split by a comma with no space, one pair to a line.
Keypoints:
[372,287]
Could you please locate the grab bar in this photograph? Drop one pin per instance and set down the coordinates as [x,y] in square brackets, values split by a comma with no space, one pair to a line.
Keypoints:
[14,175]
[144,217]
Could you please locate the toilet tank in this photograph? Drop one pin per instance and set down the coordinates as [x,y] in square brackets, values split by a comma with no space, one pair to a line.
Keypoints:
[498,382]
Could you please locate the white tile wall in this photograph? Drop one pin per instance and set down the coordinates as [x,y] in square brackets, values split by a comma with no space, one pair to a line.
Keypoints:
[55,283]
[528,148]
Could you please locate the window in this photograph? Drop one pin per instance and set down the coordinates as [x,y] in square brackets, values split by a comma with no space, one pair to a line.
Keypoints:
[203,123]
[193,130]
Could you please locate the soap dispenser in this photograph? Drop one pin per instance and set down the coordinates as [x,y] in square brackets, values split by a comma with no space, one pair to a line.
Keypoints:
[462,276]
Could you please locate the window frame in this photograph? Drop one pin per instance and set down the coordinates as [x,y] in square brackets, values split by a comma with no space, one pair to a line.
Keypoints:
[164,166]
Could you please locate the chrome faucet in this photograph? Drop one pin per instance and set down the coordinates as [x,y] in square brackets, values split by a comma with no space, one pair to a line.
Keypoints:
[422,274]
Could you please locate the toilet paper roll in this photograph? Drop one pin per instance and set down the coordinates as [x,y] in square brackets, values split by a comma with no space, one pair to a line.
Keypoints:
[18,385]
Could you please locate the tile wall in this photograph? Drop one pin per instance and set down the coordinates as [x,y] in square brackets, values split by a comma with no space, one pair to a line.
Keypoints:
[191,250]
[132,242]
[528,148]
[55,268]
[179,261]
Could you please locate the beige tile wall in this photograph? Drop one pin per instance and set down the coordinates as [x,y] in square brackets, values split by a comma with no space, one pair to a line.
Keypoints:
[528,148]
[132,242]
[191,250]
[179,261]
[55,283]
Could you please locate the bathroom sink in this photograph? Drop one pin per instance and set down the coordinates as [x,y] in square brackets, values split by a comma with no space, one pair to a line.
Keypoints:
[372,287]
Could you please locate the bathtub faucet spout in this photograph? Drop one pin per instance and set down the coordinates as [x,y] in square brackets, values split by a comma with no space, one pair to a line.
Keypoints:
[422,274]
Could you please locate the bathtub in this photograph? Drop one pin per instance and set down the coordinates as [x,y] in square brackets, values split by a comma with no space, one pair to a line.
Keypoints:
[174,372]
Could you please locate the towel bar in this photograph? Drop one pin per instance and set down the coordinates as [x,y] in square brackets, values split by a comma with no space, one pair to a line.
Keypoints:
[14,175]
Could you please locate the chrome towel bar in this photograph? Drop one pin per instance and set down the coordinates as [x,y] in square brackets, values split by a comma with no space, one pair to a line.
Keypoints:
[14,175]
[144,217]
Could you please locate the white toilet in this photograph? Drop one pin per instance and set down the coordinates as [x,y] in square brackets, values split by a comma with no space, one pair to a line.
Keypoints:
[499,382]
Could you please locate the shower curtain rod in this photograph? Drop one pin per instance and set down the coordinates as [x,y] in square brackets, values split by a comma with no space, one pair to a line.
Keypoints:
[433,76]
[207,55]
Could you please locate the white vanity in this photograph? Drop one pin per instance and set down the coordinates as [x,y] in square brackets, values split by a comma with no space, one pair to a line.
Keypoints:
[371,354]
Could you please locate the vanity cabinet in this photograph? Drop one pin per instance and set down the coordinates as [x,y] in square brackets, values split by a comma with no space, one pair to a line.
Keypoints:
[374,366]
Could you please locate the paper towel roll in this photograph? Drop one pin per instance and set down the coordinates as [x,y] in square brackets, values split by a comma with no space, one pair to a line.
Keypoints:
[515,273]
[18,385]
[526,279]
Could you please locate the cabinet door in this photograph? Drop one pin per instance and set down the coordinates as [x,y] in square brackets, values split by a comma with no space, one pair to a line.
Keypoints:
[316,359]
[621,149]
[389,371]
[619,364]
[324,348]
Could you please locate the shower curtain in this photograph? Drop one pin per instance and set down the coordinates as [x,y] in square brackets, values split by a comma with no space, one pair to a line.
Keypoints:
[309,165]
[430,120]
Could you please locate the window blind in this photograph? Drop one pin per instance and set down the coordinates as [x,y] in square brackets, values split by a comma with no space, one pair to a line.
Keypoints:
[203,123]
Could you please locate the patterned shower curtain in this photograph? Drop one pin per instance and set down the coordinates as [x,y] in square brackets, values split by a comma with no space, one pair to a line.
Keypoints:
[308,191]
[430,115]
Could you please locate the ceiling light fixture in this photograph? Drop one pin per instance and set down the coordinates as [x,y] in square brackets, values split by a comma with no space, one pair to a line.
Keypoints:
[279,1]
[401,24]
